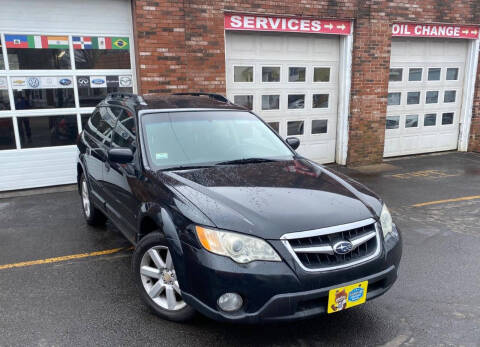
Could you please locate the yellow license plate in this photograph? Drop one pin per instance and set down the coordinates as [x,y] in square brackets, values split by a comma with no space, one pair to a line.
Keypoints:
[346,297]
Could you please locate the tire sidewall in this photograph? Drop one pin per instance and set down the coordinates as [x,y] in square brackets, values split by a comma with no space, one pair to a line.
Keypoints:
[156,238]
[89,219]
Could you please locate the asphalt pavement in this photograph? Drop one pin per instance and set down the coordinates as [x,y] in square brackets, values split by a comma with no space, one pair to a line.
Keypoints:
[84,299]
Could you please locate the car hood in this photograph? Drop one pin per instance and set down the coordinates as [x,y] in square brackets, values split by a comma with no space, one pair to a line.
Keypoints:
[271,199]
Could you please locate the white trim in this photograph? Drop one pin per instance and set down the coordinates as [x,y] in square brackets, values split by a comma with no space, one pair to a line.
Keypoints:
[344,86]
[470,76]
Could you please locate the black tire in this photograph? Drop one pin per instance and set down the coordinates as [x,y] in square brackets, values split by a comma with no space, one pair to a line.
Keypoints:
[156,239]
[94,216]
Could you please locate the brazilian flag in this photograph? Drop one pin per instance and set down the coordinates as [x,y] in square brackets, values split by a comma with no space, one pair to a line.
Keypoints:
[120,43]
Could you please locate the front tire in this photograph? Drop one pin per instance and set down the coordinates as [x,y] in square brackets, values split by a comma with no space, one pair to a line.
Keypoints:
[155,276]
[93,216]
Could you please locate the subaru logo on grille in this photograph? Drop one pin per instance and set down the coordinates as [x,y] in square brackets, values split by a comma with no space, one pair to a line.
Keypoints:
[342,247]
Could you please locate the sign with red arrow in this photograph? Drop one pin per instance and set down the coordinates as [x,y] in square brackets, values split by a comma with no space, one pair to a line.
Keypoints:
[435,30]
[286,24]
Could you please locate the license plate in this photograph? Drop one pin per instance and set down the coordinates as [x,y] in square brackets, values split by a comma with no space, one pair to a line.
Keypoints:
[345,297]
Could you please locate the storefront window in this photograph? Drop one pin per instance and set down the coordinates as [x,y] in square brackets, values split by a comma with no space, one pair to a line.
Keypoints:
[47,131]
[101,52]
[7,136]
[37,52]
[92,89]
[43,92]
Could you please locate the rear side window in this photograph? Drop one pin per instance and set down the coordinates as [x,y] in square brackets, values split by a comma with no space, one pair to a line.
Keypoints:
[125,131]
[101,124]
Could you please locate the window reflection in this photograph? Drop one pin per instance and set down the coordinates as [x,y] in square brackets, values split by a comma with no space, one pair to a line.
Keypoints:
[270,102]
[244,100]
[243,74]
[393,122]
[430,119]
[102,59]
[7,136]
[431,97]
[296,74]
[295,128]
[395,75]
[394,98]
[320,101]
[321,74]
[26,99]
[270,74]
[47,131]
[93,89]
[4,99]
[296,101]
[415,74]
[319,126]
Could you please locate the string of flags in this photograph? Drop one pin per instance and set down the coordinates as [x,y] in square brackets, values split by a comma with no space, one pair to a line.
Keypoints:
[61,42]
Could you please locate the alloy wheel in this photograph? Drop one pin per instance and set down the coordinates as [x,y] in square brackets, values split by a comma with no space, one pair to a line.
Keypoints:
[85,198]
[160,280]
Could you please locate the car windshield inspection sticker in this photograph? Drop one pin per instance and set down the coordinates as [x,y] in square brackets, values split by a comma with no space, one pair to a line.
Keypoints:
[160,156]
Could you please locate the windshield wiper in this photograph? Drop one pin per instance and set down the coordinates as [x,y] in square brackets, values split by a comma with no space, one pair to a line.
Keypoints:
[186,167]
[246,161]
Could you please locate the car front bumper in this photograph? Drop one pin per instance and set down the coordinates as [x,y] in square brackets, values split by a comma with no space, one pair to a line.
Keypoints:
[278,291]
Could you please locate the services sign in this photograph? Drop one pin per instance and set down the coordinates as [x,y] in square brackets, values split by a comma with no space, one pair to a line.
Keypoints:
[435,30]
[286,24]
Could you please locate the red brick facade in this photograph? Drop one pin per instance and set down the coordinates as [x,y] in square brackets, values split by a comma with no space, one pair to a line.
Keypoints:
[181,47]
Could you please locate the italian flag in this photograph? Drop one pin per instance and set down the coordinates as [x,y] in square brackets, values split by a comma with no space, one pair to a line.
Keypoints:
[42,41]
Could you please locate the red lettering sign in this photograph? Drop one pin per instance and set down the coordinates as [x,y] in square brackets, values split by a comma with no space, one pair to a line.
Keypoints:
[286,24]
[435,30]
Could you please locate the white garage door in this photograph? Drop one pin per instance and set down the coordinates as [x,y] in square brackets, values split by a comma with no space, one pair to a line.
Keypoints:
[291,81]
[57,60]
[424,95]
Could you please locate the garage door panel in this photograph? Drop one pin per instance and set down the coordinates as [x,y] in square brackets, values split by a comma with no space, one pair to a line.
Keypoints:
[438,92]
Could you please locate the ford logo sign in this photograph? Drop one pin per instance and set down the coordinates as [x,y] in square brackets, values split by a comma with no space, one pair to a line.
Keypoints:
[343,247]
[98,81]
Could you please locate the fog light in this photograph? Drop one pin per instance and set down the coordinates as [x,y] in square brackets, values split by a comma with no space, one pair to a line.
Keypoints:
[230,302]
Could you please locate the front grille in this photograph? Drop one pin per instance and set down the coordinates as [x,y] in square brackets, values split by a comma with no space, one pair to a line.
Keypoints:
[314,249]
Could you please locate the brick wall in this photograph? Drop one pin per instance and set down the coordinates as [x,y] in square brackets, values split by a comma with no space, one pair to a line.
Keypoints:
[181,47]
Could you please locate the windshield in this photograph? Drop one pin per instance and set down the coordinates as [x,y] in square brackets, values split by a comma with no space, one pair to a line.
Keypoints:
[209,137]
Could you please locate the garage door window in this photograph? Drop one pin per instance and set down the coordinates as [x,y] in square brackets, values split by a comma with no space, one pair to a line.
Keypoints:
[434,74]
[275,126]
[295,128]
[92,89]
[395,75]
[296,74]
[319,126]
[411,121]
[320,101]
[101,52]
[321,74]
[37,52]
[270,102]
[449,96]
[270,74]
[243,74]
[415,74]
[47,131]
[452,74]
[2,64]
[430,119]
[393,122]
[296,101]
[447,118]
[394,98]
[244,100]
[26,97]
[431,97]
[413,98]
[7,136]
[4,99]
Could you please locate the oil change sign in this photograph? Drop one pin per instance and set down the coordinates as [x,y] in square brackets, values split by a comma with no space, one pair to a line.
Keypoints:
[287,24]
[435,30]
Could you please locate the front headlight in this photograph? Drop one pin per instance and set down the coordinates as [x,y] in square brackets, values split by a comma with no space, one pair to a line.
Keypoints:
[239,247]
[386,221]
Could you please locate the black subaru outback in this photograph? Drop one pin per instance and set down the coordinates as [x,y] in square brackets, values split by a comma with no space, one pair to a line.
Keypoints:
[226,218]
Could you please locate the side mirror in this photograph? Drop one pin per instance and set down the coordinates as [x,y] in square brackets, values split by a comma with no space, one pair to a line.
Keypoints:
[120,155]
[293,142]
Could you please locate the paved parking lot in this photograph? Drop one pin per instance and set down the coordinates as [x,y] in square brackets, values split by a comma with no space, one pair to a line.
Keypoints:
[90,299]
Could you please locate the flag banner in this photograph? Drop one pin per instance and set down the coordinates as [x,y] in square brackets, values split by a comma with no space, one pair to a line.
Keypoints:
[100,42]
[36,41]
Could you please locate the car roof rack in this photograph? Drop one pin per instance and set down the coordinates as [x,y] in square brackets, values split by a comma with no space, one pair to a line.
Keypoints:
[218,97]
[119,95]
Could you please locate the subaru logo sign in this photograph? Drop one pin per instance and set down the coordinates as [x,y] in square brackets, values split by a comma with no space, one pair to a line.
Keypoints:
[342,247]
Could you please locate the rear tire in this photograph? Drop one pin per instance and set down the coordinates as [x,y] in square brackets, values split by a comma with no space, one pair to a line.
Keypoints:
[93,216]
[155,277]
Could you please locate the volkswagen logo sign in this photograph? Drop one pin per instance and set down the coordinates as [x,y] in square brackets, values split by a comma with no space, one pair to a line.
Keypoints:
[343,247]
